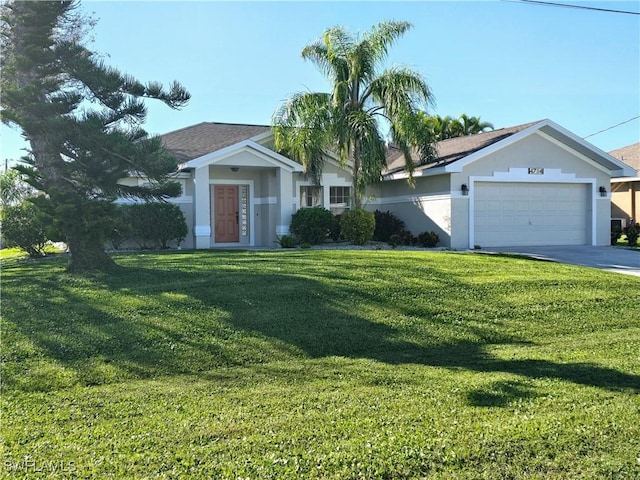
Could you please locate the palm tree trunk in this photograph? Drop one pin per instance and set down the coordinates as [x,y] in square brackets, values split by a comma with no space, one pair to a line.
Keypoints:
[355,173]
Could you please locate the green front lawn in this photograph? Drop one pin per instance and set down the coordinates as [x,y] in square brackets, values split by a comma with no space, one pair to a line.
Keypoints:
[320,364]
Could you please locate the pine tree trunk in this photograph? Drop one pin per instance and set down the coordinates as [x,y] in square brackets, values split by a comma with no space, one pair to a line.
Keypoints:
[88,255]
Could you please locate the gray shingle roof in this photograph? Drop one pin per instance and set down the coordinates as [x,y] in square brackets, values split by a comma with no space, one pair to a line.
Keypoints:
[453,149]
[206,137]
[629,155]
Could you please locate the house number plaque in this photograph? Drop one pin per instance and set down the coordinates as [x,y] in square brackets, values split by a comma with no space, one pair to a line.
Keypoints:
[536,171]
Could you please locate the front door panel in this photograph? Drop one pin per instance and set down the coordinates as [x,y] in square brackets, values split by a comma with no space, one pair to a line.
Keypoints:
[226,213]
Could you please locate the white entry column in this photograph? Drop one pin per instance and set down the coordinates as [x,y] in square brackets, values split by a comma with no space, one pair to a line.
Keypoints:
[202,228]
[284,180]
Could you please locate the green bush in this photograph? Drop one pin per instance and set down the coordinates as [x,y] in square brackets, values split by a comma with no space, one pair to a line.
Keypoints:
[311,225]
[122,227]
[286,241]
[428,239]
[387,224]
[24,226]
[616,233]
[150,225]
[395,240]
[632,231]
[336,230]
[358,226]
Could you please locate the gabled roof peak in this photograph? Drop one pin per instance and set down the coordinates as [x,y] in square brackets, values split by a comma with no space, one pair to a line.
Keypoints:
[200,139]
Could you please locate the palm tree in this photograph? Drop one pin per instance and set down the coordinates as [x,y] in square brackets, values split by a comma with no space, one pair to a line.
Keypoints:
[473,125]
[348,120]
[441,128]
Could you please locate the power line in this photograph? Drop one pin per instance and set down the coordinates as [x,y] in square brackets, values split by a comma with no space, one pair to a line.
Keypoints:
[566,5]
[612,127]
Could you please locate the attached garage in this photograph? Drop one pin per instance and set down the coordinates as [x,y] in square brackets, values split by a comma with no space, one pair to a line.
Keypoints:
[526,214]
[534,184]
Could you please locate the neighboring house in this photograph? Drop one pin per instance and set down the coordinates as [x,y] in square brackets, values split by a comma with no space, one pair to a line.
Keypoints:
[533,184]
[625,191]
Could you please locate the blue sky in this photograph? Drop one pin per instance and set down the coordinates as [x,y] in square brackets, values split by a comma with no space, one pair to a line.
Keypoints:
[507,62]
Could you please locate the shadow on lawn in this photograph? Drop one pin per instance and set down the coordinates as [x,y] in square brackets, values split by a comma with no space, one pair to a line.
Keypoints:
[261,316]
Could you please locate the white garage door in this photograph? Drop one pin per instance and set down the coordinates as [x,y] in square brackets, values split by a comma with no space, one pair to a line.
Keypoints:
[519,214]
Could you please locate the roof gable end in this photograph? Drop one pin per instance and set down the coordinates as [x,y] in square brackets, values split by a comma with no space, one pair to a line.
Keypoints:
[556,133]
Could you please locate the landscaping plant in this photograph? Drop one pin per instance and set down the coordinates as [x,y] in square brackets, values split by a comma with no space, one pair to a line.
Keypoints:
[311,225]
[632,231]
[25,226]
[428,239]
[387,224]
[357,226]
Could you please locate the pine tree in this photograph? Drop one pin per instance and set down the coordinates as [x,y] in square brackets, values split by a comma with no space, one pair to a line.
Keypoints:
[82,120]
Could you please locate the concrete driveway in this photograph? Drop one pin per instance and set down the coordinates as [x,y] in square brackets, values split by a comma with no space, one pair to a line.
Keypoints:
[606,258]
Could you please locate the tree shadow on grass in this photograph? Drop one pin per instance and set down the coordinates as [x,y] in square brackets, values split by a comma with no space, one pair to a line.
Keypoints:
[172,320]
[500,394]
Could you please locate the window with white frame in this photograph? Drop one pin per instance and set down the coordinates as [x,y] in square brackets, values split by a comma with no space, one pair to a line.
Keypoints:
[339,199]
[310,196]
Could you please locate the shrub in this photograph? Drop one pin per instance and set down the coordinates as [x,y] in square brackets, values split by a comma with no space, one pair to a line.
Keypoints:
[358,226]
[122,228]
[305,245]
[150,225]
[24,226]
[286,241]
[387,224]
[616,233]
[335,233]
[395,240]
[407,238]
[632,231]
[311,225]
[428,239]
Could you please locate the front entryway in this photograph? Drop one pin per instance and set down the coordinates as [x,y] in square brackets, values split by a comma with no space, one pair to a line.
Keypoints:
[226,213]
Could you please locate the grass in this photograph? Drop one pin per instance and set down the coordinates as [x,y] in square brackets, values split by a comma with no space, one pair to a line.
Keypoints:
[9,256]
[622,242]
[320,364]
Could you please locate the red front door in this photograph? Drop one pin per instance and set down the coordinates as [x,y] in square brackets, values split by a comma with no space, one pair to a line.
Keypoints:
[226,221]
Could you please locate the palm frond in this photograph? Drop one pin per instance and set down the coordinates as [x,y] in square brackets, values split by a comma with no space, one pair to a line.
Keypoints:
[399,89]
[384,35]
[302,127]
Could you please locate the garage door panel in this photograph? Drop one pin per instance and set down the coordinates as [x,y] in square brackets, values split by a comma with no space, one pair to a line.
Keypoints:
[520,214]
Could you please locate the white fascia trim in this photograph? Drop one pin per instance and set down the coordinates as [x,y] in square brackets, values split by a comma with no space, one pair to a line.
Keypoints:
[180,175]
[625,170]
[625,179]
[521,175]
[262,136]
[266,154]
[293,165]
[565,147]
[427,172]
